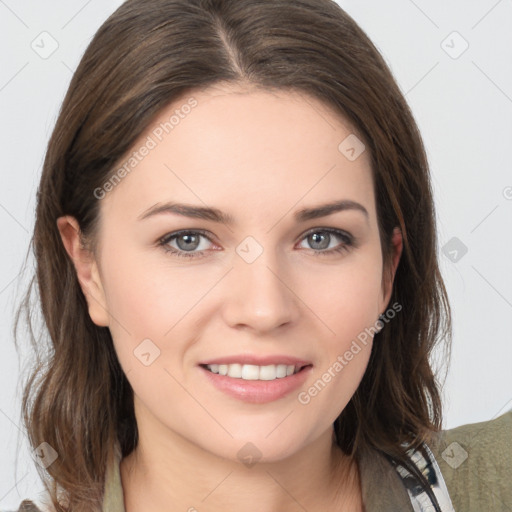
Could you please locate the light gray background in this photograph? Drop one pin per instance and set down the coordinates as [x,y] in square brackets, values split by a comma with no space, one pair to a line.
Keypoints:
[462,103]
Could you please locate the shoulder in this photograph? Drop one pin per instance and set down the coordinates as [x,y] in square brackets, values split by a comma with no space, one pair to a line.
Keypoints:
[476,463]
[28,506]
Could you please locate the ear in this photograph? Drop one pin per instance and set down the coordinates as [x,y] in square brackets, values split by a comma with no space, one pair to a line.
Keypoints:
[86,269]
[389,277]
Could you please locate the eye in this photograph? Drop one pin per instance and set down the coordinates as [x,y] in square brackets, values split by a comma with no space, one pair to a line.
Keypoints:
[187,242]
[321,238]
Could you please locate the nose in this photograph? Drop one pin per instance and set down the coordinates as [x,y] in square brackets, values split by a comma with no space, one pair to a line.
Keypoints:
[260,296]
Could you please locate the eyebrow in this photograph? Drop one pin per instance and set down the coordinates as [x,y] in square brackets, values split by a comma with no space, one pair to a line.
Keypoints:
[216,215]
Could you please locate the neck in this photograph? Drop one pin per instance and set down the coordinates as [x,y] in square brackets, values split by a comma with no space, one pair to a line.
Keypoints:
[175,472]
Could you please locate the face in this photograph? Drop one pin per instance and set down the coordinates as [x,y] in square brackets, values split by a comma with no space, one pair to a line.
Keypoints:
[259,286]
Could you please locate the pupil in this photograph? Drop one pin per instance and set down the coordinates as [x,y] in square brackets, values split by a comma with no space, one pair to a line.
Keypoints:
[188,239]
[316,236]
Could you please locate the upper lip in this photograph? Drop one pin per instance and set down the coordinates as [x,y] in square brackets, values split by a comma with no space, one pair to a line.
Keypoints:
[258,360]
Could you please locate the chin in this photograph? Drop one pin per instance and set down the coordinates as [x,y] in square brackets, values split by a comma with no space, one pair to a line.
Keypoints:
[250,449]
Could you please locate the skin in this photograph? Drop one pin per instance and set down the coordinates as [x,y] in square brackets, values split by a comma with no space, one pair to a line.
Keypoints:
[259,156]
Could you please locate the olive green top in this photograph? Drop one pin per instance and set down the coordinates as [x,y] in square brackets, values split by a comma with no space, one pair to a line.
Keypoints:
[475,461]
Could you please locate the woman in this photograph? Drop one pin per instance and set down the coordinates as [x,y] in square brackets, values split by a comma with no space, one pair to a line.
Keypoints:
[236,260]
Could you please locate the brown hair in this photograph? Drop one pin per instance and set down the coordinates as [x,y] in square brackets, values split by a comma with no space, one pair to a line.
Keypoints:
[147,54]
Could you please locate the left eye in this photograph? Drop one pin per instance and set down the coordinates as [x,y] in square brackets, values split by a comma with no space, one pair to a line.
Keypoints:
[188,241]
[328,235]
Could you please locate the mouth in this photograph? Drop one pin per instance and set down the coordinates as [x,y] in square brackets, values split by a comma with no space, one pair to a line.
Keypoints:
[255,372]
[256,384]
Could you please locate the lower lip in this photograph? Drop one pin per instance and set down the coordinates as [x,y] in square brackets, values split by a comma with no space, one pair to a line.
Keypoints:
[257,391]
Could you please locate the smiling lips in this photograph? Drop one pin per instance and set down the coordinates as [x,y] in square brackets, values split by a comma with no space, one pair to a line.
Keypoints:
[256,379]
[252,367]
[254,372]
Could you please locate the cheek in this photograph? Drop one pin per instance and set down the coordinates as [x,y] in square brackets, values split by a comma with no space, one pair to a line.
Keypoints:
[138,304]
[334,383]
[347,304]
[340,370]
[148,299]
[154,309]
[346,300]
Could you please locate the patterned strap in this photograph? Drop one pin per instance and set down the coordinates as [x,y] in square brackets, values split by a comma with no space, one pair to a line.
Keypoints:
[419,498]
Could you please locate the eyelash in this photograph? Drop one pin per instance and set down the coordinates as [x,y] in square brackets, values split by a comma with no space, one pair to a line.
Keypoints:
[347,245]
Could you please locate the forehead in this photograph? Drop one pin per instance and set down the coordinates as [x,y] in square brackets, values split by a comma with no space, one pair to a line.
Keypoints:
[228,147]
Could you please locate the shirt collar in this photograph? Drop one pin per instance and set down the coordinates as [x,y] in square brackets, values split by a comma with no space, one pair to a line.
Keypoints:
[113,499]
[382,488]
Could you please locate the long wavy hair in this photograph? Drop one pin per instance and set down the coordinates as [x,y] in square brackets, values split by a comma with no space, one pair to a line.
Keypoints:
[147,53]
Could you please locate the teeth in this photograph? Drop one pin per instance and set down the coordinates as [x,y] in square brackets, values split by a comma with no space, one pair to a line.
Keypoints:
[234,370]
[250,372]
[253,372]
[281,370]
